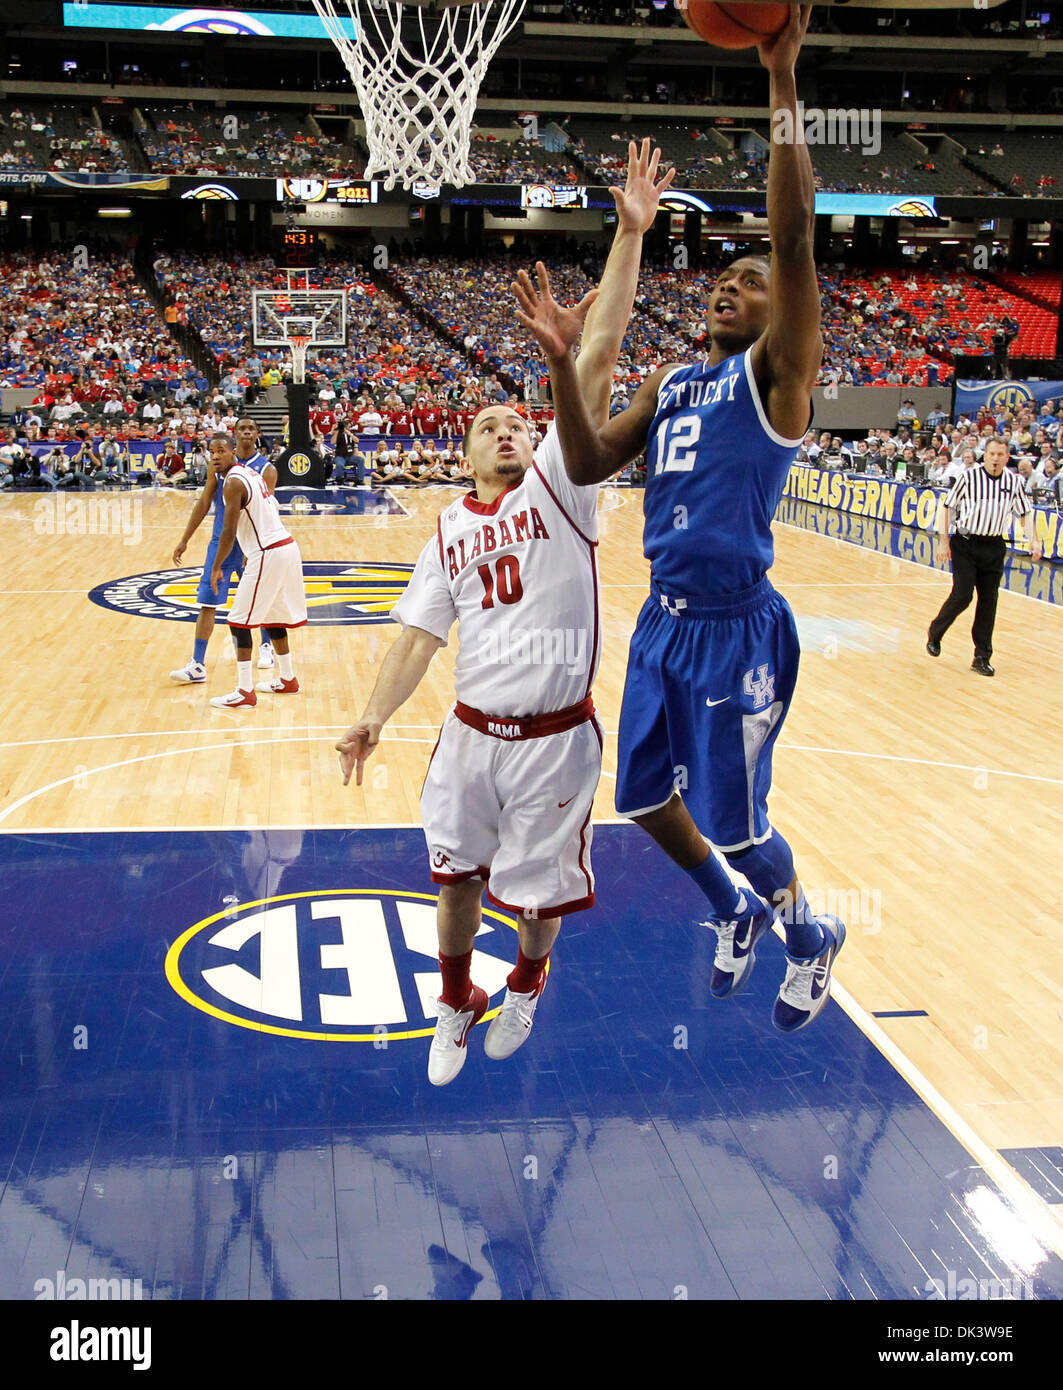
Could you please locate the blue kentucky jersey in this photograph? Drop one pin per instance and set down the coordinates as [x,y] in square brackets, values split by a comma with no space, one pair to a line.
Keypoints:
[258,462]
[715,474]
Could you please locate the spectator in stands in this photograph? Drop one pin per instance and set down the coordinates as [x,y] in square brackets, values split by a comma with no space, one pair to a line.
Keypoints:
[370,421]
[944,470]
[808,450]
[836,455]
[1045,481]
[171,468]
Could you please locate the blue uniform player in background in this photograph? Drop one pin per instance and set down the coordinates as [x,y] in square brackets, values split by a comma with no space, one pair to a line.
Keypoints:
[208,598]
[713,660]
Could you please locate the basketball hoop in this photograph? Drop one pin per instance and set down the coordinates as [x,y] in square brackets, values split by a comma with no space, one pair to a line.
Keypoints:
[419,99]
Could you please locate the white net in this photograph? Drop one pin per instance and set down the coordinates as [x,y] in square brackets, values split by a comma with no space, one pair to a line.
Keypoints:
[418,95]
[299,342]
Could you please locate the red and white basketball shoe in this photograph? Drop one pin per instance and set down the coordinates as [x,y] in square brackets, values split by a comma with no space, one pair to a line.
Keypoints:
[279,686]
[239,699]
[446,1056]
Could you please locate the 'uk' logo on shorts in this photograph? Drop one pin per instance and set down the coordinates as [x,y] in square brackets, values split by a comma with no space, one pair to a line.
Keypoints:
[760,689]
[348,965]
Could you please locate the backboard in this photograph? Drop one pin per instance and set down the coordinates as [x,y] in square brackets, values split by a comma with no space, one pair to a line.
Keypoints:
[321,315]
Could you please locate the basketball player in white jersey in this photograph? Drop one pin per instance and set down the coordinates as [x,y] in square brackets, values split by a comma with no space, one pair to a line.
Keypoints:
[270,593]
[507,799]
[247,451]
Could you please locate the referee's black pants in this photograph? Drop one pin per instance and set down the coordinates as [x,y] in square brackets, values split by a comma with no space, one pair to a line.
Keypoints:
[977,564]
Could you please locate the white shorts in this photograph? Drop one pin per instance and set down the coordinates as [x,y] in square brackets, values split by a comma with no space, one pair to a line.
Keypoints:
[271,592]
[516,812]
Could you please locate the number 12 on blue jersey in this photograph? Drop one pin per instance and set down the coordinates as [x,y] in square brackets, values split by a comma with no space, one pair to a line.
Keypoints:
[677,452]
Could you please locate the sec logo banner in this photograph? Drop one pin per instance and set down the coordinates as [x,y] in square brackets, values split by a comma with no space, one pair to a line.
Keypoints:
[350,965]
[299,464]
[336,594]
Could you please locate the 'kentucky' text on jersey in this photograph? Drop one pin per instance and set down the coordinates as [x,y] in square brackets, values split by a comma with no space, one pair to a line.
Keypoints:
[715,473]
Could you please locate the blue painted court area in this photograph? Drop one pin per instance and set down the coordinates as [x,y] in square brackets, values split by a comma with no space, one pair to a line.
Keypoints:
[647,1143]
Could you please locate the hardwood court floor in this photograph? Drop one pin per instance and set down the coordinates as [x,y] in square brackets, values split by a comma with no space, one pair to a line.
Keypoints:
[921,800]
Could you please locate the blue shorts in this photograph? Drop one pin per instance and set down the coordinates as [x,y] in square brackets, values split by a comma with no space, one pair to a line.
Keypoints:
[207,597]
[709,681]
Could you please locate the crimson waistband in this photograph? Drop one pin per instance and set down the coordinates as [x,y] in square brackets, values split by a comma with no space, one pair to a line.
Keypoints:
[536,726]
[277,544]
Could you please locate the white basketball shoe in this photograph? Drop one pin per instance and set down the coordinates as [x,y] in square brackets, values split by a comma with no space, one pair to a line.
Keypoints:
[193,673]
[446,1056]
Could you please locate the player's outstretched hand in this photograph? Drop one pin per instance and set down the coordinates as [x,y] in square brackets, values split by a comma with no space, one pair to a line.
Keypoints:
[555,327]
[355,747]
[637,202]
[779,53]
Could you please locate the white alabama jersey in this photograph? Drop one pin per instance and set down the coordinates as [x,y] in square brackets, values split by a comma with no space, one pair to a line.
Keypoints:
[259,525]
[520,576]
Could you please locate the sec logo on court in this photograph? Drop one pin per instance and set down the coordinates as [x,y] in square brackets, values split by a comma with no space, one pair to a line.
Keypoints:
[350,965]
[337,594]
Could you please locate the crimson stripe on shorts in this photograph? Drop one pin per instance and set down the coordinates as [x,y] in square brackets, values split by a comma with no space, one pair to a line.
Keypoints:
[561,910]
[583,828]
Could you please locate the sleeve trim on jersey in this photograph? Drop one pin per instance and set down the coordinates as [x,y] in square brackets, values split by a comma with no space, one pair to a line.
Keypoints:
[762,414]
[560,507]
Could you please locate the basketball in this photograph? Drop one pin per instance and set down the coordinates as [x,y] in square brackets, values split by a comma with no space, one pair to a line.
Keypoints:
[734,26]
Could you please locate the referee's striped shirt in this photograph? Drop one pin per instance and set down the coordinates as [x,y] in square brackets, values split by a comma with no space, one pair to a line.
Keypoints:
[980,505]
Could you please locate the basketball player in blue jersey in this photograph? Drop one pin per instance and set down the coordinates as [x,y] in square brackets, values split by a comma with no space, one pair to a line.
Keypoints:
[247,451]
[713,659]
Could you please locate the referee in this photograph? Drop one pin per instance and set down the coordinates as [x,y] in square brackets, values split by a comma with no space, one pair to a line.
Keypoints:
[977,510]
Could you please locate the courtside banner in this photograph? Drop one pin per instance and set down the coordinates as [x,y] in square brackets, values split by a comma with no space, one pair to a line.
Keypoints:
[904,504]
[971,396]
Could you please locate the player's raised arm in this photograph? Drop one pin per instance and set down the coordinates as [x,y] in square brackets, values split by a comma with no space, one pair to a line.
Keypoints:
[603,332]
[786,358]
[592,453]
[400,674]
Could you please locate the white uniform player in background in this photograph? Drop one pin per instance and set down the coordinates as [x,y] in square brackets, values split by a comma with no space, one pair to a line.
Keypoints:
[270,594]
[507,799]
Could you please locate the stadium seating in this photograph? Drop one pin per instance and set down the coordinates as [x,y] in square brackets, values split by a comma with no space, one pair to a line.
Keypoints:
[191,140]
